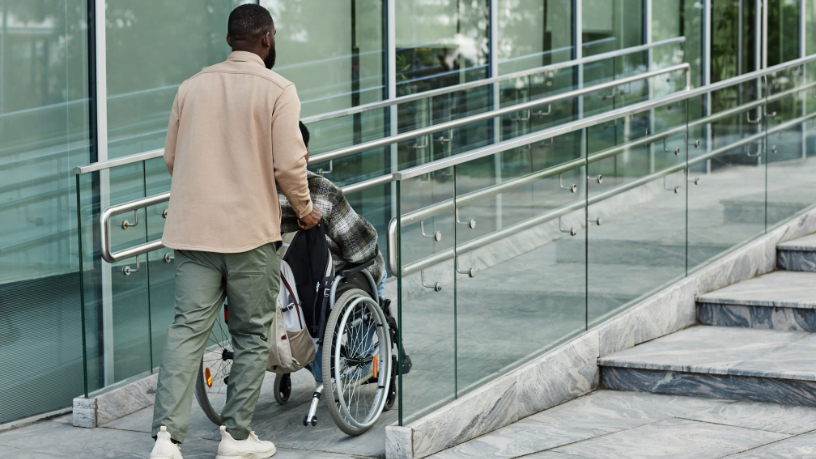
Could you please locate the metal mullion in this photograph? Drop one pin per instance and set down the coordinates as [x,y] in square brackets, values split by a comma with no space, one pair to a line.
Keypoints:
[803,53]
[647,32]
[393,121]
[709,135]
[496,103]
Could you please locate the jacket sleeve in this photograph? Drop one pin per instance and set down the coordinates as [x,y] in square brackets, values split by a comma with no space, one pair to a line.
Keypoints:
[353,234]
[172,136]
[289,152]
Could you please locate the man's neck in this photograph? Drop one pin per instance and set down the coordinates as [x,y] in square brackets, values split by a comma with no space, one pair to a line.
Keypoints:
[249,49]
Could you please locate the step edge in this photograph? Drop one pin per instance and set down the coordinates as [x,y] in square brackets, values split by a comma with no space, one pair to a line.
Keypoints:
[796,248]
[755,303]
[690,369]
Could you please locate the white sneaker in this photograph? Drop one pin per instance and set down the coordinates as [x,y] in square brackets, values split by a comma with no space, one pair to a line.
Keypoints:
[164,447]
[251,448]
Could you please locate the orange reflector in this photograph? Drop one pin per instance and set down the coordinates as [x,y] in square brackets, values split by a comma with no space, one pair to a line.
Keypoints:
[376,366]
[208,376]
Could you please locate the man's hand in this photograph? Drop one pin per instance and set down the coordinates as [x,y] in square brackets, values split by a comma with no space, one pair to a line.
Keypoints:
[309,221]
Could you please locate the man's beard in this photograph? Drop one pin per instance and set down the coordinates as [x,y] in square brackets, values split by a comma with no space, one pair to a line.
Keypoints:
[270,59]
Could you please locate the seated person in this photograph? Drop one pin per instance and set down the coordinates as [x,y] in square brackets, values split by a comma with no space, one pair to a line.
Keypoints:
[351,239]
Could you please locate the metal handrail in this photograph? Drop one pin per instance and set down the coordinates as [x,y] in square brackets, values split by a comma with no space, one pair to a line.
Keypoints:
[417,133]
[488,81]
[448,205]
[104,228]
[446,126]
[102,165]
[485,151]
[600,118]
[478,242]
[110,212]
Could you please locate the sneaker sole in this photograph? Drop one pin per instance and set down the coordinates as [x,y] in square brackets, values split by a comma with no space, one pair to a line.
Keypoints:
[248,456]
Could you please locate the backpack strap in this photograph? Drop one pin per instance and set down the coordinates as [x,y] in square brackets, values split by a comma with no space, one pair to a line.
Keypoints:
[292,294]
[326,283]
[287,241]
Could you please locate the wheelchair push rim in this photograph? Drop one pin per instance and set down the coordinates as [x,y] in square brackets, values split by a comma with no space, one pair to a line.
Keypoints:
[357,356]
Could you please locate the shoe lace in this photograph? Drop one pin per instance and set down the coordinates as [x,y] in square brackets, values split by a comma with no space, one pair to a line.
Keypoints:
[254,437]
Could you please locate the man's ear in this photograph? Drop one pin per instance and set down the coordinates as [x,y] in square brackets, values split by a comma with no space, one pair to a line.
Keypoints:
[229,41]
[266,40]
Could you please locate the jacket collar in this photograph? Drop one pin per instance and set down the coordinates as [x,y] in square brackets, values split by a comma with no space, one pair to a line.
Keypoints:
[245,56]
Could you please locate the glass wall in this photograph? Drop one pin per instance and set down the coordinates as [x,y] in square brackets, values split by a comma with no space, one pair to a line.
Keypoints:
[810,27]
[440,43]
[783,31]
[679,18]
[734,45]
[533,33]
[151,48]
[608,25]
[337,54]
[44,131]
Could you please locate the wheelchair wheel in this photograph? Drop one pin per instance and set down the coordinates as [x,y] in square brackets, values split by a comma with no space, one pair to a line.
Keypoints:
[213,373]
[391,397]
[357,356]
[283,388]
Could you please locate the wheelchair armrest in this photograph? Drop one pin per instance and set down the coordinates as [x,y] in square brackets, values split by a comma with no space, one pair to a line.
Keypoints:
[350,270]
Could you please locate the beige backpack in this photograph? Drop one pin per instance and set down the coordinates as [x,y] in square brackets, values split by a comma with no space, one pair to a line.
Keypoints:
[292,347]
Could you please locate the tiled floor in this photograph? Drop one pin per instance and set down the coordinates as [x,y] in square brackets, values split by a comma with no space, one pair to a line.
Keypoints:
[610,424]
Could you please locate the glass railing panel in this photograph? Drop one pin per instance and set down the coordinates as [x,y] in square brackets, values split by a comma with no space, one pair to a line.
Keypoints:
[790,113]
[115,296]
[160,267]
[726,174]
[427,315]
[531,274]
[128,339]
[87,212]
[636,240]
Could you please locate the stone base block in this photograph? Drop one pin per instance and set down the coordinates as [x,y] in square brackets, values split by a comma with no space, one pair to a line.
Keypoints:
[399,442]
[100,409]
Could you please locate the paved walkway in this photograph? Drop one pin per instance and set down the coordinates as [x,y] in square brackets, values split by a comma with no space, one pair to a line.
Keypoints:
[129,437]
[611,424]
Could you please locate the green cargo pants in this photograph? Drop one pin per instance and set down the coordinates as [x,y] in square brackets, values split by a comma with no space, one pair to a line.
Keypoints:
[251,280]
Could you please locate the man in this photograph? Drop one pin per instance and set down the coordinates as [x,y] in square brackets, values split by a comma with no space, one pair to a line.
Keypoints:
[231,143]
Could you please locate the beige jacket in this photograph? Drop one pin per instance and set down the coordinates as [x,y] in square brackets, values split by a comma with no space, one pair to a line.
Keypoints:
[233,136]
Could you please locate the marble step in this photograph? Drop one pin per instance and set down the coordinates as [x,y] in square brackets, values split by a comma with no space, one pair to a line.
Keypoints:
[797,255]
[720,362]
[781,300]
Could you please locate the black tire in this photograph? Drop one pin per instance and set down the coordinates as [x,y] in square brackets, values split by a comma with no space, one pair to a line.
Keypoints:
[203,400]
[391,400]
[218,359]
[357,306]
[283,388]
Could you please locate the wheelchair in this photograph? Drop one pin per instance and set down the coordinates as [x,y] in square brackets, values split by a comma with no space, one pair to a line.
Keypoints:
[358,358]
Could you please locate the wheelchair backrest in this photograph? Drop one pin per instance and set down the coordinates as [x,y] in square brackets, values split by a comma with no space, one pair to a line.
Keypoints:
[309,257]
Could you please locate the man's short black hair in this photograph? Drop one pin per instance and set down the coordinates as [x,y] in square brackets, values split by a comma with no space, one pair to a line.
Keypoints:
[304,131]
[249,22]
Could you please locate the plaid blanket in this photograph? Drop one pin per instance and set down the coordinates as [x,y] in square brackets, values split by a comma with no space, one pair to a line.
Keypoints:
[350,237]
